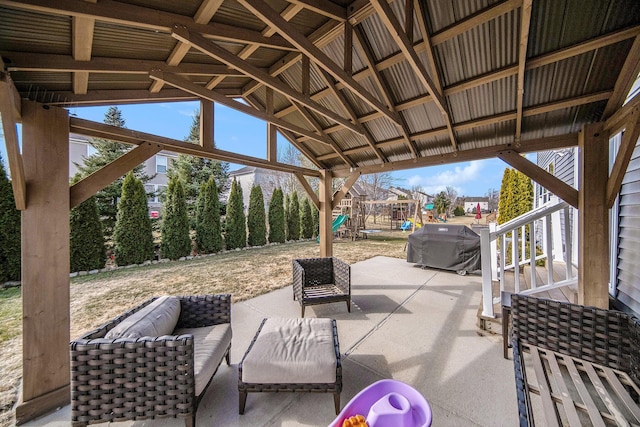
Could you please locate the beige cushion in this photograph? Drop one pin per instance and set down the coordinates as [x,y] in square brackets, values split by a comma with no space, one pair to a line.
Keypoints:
[210,344]
[156,319]
[291,351]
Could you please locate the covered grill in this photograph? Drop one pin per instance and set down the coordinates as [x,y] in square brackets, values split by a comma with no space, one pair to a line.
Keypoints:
[446,246]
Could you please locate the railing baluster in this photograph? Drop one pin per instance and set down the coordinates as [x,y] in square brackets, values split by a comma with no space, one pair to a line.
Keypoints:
[532,254]
[568,247]
[503,256]
[516,260]
[549,251]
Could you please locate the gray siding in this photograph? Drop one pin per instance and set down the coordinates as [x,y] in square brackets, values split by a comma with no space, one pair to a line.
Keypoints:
[628,283]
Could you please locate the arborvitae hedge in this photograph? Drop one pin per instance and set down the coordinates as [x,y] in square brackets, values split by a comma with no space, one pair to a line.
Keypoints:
[208,234]
[306,220]
[9,231]
[315,213]
[256,220]
[287,217]
[294,219]
[176,242]
[276,217]
[236,223]
[132,234]
[87,251]
[505,203]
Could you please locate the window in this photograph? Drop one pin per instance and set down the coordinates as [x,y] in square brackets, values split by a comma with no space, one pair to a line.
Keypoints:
[161,164]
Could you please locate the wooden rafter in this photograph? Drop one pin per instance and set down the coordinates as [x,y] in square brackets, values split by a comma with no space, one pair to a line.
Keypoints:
[272,18]
[337,198]
[354,118]
[9,117]
[386,93]
[541,176]
[90,185]
[255,103]
[211,95]
[400,37]
[526,146]
[205,46]
[625,80]
[324,8]
[82,41]
[307,188]
[142,17]
[128,136]
[207,124]
[525,21]
[203,15]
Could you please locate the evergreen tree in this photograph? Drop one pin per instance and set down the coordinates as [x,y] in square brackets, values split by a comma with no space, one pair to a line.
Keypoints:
[9,231]
[86,244]
[236,224]
[294,218]
[276,217]
[442,203]
[256,221]
[306,220]
[507,193]
[287,217]
[176,242]
[108,151]
[208,232]
[132,234]
[315,213]
[195,171]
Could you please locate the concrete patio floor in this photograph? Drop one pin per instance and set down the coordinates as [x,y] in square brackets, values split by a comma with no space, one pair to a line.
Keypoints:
[413,325]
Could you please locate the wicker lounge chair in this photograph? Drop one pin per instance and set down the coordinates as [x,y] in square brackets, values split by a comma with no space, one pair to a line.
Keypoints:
[582,364]
[321,281]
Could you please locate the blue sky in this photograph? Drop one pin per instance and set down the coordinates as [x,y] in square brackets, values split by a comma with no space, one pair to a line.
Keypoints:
[243,134]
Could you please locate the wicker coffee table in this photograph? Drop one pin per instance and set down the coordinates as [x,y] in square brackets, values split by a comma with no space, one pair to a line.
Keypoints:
[292,355]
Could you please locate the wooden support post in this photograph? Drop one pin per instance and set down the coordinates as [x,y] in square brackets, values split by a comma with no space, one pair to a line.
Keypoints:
[593,246]
[272,136]
[45,261]
[326,234]
[206,124]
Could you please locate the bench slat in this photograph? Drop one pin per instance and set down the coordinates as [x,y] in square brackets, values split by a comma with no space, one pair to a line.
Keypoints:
[550,410]
[592,409]
[604,395]
[621,392]
[567,402]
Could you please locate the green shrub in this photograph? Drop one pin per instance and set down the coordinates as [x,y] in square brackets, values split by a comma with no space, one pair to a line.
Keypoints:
[86,243]
[9,231]
[315,213]
[256,221]
[294,217]
[306,220]
[236,223]
[276,217]
[208,228]
[176,242]
[287,217]
[132,235]
[459,211]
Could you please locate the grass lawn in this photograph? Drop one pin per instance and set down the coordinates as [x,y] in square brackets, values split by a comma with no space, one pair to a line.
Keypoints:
[245,274]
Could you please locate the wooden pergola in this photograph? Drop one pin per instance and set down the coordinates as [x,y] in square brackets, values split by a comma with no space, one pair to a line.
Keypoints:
[358,87]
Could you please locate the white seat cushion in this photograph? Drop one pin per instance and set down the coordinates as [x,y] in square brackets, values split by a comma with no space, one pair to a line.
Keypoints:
[156,319]
[210,344]
[292,351]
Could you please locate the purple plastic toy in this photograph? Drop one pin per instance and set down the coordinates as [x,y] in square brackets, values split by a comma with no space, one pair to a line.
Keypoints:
[388,403]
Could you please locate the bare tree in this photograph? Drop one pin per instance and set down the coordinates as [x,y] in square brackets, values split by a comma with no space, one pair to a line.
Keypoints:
[376,185]
[452,195]
[493,195]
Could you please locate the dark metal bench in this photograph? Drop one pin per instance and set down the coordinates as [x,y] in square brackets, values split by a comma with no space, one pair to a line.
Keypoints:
[321,281]
[576,365]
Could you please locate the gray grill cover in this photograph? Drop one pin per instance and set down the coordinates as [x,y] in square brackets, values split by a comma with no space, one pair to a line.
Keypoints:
[446,246]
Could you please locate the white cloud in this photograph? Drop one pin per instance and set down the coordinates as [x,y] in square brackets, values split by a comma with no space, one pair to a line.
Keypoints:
[455,178]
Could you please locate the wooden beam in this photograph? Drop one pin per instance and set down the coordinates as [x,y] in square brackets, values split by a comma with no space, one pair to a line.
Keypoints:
[344,102]
[45,261]
[617,122]
[541,176]
[200,91]
[207,124]
[593,217]
[82,40]
[307,188]
[625,80]
[263,11]
[474,21]
[526,146]
[90,185]
[324,200]
[324,8]
[525,21]
[272,140]
[128,136]
[207,47]
[117,12]
[348,49]
[7,112]
[337,198]
[627,146]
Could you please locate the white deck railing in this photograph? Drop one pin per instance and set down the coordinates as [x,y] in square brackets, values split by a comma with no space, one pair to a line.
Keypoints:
[539,230]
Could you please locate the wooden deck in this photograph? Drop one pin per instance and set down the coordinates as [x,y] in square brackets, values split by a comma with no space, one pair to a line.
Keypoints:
[565,294]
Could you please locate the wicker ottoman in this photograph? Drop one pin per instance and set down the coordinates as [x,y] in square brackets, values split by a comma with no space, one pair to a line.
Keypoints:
[294,355]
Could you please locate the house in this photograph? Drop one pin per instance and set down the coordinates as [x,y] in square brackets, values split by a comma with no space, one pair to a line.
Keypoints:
[471,203]
[249,176]
[155,167]
[396,193]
